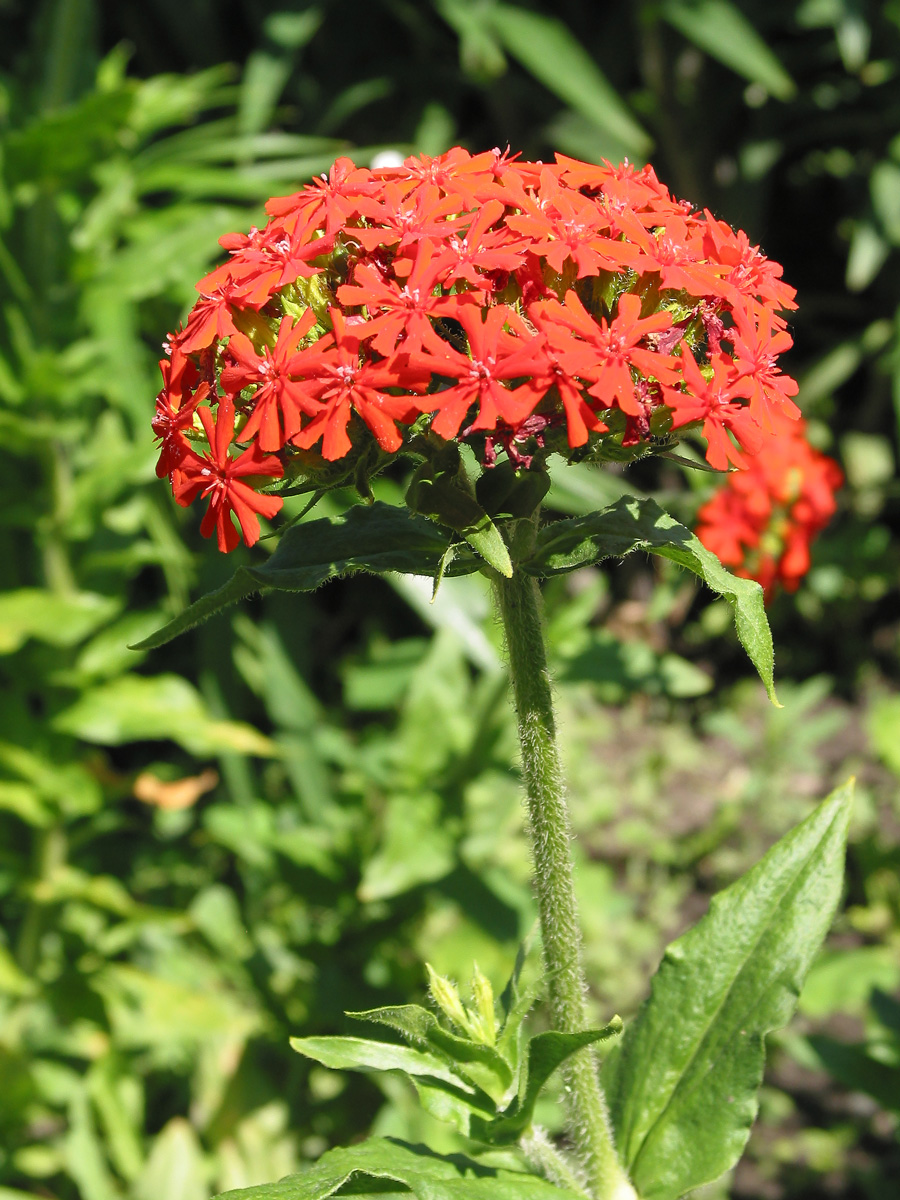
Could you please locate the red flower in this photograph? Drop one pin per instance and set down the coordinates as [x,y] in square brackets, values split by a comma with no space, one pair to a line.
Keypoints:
[484,250]
[333,196]
[752,275]
[605,352]
[219,477]
[277,400]
[763,520]
[336,383]
[496,357]
[405,310]
[402,218]
[175,406]
[675,253]
[563,225]
[715,402]
[756,348]
[210,317]
[493,295]
[263,261]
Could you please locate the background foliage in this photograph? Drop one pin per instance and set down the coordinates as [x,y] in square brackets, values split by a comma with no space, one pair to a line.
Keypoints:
[282,815]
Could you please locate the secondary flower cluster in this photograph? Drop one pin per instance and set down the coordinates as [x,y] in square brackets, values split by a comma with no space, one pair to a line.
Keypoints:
[762,520]
[512,304]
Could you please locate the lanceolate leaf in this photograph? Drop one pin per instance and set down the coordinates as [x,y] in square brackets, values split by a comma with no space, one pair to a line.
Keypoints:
[546,1052]
[478,1063]
[442,1091]
[683,1085]
[549,50]
[634,523]
[365,1054]
[722,30]
[428,1176]
[374,538]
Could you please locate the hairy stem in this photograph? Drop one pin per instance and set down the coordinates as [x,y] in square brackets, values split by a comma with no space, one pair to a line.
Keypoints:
[544,1156]
[520,607]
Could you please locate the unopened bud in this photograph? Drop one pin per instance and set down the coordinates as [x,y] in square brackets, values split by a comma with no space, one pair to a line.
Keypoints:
[446,997]
[483,998]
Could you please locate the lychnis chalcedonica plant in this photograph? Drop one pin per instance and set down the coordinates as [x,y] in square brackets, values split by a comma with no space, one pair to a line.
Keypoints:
[479,316]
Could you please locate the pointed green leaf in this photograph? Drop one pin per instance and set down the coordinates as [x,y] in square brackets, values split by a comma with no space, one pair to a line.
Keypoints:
[546,1051]
[473,1061]
[428,1176]
[440,1089]
[175,1167]
[447,1103]
[722,30]
[682,1086]
[485,537]
[374,538]
[634,523]
[409,821]
[365,1054]
[442,491]
[547,48]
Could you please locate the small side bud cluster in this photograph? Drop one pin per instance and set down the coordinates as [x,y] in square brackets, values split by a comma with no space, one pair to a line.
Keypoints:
[522,307]
[476,1020]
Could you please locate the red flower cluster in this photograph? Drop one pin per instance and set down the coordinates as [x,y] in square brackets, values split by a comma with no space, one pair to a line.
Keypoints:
[762,520]
[485,297]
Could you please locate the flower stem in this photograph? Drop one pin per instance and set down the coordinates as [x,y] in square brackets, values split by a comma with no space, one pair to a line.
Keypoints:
[519,602]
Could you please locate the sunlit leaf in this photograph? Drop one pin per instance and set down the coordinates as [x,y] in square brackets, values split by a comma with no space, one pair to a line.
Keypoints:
[640,524]
[136,708]
[426,1175]
[377,537]
[683,1087]
[60,620]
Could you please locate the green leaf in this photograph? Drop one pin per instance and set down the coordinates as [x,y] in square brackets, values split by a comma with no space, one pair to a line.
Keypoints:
[442,492]
[472,1061]
[13,981]
[546,1052]
[428,1176]
[683,1085]
[136,708]
[480,55]
[842,980]
[634,523]
[721,29]
[175,1168]
[884,730]
[365,1054]
[413,820]
[376,538]
[441,1090]
[57,620]
[552,54]
[84,1155]
[269,68]
[148,1010]
[851,1066]
[616,668]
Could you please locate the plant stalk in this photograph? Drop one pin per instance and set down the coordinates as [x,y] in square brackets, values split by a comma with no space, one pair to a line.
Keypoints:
[520,606]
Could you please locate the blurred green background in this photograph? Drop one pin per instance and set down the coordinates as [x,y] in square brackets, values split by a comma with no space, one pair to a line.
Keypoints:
[285,813]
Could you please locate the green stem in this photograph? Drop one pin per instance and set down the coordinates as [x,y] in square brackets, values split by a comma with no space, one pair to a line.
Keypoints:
[519,601]
[544,1156]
